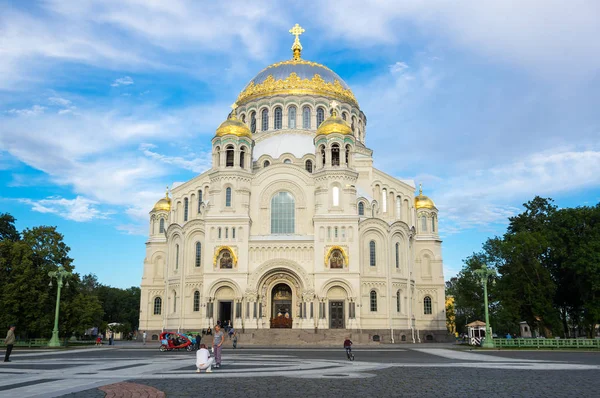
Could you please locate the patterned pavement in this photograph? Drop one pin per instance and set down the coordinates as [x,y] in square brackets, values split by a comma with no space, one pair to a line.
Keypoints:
[408,370]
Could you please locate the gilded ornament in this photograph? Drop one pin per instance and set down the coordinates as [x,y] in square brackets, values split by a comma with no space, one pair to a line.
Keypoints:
[294,85]
[233,126]
[422,201]
[331,250]
[164,203]
[221,249]
[334,124]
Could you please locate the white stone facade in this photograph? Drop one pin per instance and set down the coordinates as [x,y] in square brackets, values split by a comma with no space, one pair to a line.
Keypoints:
[390,277]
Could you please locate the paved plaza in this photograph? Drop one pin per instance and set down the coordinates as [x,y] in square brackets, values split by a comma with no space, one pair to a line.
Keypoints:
[406,370]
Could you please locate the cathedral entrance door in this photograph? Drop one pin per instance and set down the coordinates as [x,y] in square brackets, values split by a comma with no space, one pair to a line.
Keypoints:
[336,314]
[225,312]
[281,306]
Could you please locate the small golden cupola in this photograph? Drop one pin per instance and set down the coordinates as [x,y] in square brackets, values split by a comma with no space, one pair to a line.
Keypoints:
[233,126]
[163,204]
[422,201]
[334,124]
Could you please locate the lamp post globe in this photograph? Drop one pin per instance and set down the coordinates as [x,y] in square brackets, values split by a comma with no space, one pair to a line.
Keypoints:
[60,275]
[484,273]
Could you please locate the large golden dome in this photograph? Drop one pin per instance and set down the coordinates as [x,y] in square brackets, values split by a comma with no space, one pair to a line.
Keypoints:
[297,77]
[422,201]
[233,126]
[164,203]
[334,124]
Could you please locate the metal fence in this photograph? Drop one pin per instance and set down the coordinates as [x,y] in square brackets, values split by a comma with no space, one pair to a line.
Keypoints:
[547,343]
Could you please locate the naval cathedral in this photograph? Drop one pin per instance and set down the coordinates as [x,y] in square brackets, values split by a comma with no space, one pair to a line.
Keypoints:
[292,226]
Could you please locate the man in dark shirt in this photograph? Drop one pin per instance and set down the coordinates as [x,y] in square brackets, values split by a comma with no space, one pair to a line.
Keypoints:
[348,345]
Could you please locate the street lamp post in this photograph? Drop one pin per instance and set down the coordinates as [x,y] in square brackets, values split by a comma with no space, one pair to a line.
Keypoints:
[59,275]
[484,274]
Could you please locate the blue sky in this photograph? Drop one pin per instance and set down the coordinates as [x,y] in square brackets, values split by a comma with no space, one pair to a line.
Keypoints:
[103,103]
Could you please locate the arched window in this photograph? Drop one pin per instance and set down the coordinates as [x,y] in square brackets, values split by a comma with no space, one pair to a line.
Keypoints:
[335,155]
[176,256]
[306,117]
[308,166]
[323,159]
[287,161]
[198,254]
[373,301]
[352,124]
[372,255]
[266,163]
[347,155]
[361,209]
[228,197]
[196,301]
[336,196]
[292,117]
[226,232]
[384,200]
[433,224]
[242,156]
[265,119]
[253,122]
[427,310]
[233,233]
[282,213]
[174,301]
[229,155]
[397,255]
[243,118]
[424,223]
[219,232]
[278,118]
[398,207]
[186,207]
[199,199]
[398,298]
[161,227]
[320,116]
[344,116]
[157,306]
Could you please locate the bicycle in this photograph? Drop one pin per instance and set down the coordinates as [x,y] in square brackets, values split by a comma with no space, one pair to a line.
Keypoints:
[349,353]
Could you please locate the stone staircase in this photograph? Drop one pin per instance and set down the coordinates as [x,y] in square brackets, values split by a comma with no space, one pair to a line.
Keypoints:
[297,338]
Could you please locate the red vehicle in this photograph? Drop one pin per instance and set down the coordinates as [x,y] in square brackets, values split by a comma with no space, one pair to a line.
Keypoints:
[170,341]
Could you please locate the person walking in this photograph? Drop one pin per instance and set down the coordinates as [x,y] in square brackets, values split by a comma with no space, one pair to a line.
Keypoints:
[9,341]
[144,335]
[198,340]
[218,338]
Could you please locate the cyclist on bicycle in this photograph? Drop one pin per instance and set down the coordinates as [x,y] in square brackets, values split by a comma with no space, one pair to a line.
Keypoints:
[348,346]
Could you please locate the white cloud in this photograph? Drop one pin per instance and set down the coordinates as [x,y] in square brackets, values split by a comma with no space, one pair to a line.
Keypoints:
[122,81]
[549,38]
[60,101]
[483,198]
[79,209]
[399,67]
[35,110]
[197,163]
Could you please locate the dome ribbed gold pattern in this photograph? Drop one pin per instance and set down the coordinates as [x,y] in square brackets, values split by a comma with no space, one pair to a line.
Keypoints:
[164,203]
[422,201]
[334,124]
[233,126]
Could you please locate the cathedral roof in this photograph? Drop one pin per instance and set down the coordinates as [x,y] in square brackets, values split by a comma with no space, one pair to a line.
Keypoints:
[233,126]
[422,201]
[164,203]
[297,77]
[334,124]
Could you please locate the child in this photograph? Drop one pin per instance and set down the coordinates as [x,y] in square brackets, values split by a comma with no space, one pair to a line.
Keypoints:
[348,345]
[235,338]
[203,360]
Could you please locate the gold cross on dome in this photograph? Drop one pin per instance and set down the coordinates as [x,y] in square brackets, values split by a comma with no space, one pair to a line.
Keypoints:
[297,30]
[233,108]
